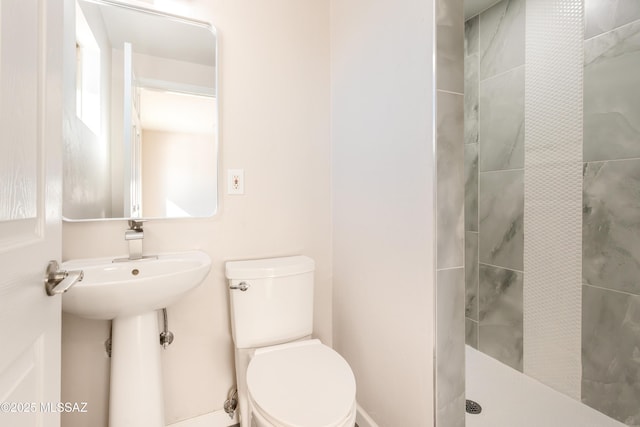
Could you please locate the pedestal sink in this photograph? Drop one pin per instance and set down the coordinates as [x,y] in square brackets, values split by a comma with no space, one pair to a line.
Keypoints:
[130,292]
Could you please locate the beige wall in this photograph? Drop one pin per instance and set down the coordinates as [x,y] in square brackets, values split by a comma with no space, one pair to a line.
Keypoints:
[274,99]
[383,170]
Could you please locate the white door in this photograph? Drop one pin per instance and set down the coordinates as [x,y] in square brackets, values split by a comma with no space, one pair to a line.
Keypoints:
[30,202]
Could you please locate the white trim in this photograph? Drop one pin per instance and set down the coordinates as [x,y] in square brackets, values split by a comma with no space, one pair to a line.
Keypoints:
[212,419]
[363,419]
[221,419]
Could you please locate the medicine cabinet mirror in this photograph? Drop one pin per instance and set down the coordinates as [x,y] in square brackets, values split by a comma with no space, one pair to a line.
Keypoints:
[141,109]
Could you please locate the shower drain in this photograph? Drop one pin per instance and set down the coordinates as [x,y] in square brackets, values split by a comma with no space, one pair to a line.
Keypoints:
[473,407]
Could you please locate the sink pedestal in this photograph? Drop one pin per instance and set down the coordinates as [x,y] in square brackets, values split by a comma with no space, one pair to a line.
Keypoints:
[136,396]
[130,293]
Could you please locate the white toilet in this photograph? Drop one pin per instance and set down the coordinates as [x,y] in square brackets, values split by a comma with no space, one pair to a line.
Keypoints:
[285,378]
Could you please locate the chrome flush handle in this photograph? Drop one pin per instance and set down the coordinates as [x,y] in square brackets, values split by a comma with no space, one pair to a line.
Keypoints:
[243,286]
[58,281]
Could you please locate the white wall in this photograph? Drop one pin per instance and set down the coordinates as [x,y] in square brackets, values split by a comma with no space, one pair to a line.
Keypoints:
[150,67]
[87,176]
[176,168]
[383,203]
[274,100]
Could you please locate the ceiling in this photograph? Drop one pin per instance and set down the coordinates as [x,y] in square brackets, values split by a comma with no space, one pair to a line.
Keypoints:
[177,112]
[155,35]
[473,7]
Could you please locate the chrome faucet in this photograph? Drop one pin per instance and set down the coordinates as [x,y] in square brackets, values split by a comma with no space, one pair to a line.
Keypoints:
[134,236]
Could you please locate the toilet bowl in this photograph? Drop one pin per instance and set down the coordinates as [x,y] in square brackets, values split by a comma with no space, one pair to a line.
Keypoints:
[301,384]
[284,378]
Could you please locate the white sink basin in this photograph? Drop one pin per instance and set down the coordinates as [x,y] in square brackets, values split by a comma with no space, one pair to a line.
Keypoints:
[130,292]
[116,289]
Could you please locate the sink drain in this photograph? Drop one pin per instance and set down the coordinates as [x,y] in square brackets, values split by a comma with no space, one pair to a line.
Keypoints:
[473,407]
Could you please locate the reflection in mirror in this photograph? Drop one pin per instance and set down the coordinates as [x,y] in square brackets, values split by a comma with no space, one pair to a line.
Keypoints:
[140,125]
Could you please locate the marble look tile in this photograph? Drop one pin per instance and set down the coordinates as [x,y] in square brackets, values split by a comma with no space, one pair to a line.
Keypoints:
[450,45]
[605,15]
[501,212]
[502,121]
[471,333]
[471,275]
[500,329]
[471,35]
[501,38]
[471,103]
[611,225]
[450,352]
[612,95]
[610,353]
[453,414]
[471,187]
[450,181]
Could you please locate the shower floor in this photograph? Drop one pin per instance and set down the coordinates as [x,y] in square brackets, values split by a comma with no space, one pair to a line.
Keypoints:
[511,399]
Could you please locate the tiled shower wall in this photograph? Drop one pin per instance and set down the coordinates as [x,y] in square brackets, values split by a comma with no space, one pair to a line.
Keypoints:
[611,210]
[494,180]
[450,379]
[494,206]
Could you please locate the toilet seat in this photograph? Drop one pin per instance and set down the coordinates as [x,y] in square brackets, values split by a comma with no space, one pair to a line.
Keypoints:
[301,384]
[259,420]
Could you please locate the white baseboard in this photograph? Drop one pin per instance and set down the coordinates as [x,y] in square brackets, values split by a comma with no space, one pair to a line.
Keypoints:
[212,419]
[363,419]
[221,419]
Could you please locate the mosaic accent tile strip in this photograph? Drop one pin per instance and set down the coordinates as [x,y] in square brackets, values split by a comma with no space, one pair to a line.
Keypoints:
[553,193]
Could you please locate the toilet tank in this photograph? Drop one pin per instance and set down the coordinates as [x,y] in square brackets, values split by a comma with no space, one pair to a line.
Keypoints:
[277,305]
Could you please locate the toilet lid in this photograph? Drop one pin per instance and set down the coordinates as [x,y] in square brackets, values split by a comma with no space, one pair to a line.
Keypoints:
[303,384]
